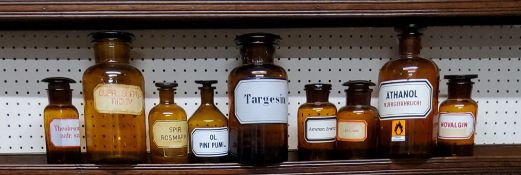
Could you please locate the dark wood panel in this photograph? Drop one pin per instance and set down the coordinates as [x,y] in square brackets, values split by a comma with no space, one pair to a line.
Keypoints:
[251,13]
[487,159]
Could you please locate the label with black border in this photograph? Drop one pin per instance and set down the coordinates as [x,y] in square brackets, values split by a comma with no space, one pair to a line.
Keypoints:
[320,129]
[456,125]
[405,99]
[209,142]
[259,101]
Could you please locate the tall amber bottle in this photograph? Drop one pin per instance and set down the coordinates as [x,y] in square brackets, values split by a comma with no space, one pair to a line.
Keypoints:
[258,93]
[316,124]
[457,119]
[408,100]
[208,128]
[61,123]
[358,122]
[168,128]
[114,102]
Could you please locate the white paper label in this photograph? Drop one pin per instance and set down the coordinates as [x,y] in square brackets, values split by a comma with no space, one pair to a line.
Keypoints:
[261,101]
[456,125]
[398,139]
[210,142]
[118,99]
[170,133]
[405,99]
[320,129]
[65,132]
[352,130]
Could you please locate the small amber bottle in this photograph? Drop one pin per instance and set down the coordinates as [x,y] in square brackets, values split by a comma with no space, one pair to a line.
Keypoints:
[208,128]
[258,93]
[113,91]
[61,123]
[457,119]
[316,124]
[168,128]
[358,122]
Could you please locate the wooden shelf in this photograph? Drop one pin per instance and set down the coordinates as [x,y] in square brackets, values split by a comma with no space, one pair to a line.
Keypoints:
[86,14]
[487,159]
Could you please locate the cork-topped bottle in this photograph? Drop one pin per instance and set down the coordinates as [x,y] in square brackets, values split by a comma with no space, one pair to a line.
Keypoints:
[258,92]
[168,128]
[408,100]
[113,91]
[208,128]
[358,122]
[316,124]
[61,123]
[457,119]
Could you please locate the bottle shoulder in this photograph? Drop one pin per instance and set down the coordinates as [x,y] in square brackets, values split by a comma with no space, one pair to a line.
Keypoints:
[208,113]
[416,61]
[365,108]
[409,68]
[363,112]
[60,107]
[60,112]
[458,103]
[117,69]
[326,105]
[258,71]
[167,109]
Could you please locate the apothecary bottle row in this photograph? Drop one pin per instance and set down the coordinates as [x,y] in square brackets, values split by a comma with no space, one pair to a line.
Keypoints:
[407,121]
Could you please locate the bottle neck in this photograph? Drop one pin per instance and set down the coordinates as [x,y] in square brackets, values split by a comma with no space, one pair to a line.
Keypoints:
[62,96]
[257,54]
[313,96]
[459,91]
[207,96]
[112,51]
[410,45]
[358,98]
[166,96]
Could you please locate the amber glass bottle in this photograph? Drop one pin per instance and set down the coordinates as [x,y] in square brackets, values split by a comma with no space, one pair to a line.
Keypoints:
[61,123]
[408,100]
[114,102]
[316,124]
[457,119]
[358,122]
[208,128]
[258,93]
[168,128]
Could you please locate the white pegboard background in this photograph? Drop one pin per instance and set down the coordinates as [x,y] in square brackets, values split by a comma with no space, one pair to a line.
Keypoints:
[328,55]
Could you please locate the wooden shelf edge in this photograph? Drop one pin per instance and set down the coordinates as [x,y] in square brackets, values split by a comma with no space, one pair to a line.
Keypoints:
[153,14]
[487,159]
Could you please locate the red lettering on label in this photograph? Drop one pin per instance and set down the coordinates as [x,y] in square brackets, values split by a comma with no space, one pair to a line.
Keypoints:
[456,125]
[65,128]
[349,130]
[402,103]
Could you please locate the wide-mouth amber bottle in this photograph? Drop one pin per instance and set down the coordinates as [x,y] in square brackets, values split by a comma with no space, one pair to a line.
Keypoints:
[316,124]
[408,99]
[358,122]
[208,128]
[61,123]
[258,93]
[113,91]
[457,119]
